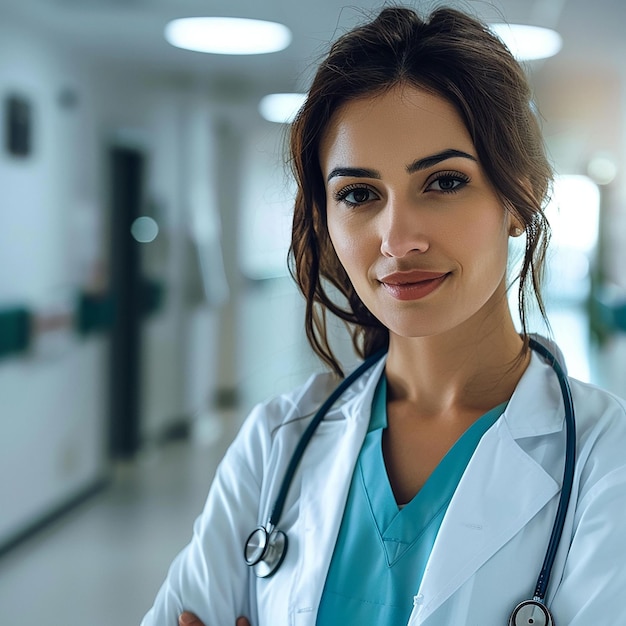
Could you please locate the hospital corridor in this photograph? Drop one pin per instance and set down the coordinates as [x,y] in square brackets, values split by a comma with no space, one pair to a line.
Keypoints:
[146,301]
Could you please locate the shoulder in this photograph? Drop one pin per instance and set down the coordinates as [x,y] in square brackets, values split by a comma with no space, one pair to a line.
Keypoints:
[595,545]
[537,414]
[291,411]
[296,404]
[250,451]
[599,414]
[601,445]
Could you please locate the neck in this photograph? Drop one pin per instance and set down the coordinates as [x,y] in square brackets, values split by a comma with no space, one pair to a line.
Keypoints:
[462,371]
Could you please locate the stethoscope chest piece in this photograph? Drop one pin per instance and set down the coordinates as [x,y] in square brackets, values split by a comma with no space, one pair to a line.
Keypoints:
[265,550]
[531,613]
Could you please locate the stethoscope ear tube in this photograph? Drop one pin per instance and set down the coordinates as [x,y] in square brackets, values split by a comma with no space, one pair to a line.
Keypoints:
[568,471]
[277,510]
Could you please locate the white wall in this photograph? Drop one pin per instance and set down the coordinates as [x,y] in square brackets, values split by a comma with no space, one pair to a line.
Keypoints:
[54,241]
[52,399]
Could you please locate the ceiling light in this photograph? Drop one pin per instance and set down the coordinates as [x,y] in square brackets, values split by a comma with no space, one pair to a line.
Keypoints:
[528,43]
[281,107]
[227,35]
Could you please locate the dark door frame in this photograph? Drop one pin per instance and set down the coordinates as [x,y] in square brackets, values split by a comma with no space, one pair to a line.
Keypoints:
[127,167]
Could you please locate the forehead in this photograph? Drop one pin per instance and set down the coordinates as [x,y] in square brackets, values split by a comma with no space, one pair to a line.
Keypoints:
[401,124]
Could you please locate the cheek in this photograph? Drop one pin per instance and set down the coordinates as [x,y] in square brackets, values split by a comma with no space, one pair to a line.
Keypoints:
[346,251]
[482,240]
[342,240]
[492,244]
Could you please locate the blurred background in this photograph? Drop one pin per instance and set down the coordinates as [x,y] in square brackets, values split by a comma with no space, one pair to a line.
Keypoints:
[145,303]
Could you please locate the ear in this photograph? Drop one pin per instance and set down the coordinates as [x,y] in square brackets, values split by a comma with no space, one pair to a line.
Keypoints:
[515,228]
[516,225]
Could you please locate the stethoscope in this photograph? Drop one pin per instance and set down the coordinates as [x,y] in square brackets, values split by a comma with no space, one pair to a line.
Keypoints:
[266,546]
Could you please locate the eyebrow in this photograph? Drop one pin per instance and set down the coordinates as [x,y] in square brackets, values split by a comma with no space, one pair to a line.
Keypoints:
[419,164]
[429,161]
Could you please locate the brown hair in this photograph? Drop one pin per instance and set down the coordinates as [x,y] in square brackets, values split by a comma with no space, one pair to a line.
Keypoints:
[456,57]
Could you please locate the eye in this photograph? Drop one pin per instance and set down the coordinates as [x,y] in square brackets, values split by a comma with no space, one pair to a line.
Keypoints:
[448,182]
[355,195]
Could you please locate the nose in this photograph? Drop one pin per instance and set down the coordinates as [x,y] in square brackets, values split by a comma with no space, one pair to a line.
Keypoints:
[402,230]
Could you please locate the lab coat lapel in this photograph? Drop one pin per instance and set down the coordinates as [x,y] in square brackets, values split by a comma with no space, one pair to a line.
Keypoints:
[502,489]
[327,468]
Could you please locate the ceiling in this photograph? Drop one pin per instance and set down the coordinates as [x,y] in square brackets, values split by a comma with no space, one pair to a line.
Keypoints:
[131,32]
[580,91]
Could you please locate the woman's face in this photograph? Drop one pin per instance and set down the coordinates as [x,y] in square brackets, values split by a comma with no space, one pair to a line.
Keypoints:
[411,215]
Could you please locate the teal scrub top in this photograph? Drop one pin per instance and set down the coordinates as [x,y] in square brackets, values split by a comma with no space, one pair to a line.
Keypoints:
[382,550]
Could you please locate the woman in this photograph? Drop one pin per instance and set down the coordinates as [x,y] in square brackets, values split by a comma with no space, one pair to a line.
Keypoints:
[428,493]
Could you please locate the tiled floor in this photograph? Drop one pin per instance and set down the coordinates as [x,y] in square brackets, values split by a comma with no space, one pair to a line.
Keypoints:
[102,564]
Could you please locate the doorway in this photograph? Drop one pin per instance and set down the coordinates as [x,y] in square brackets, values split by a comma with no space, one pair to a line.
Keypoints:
[127,168]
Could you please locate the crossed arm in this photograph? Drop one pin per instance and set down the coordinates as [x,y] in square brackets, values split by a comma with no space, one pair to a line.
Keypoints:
[189,619]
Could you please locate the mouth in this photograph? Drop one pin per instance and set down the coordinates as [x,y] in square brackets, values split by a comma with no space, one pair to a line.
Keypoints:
[412,285]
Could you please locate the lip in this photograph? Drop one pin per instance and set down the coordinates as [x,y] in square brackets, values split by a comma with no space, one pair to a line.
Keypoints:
[413,285]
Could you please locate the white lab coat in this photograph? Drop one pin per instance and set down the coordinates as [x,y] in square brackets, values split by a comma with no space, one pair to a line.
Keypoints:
[493,538]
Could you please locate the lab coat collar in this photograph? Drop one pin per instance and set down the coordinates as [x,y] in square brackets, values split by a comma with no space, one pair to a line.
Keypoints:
[357,399]
[536,407]
[470,535]
[552,347]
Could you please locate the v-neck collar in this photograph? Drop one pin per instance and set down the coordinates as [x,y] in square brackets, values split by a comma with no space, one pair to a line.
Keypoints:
[399,529]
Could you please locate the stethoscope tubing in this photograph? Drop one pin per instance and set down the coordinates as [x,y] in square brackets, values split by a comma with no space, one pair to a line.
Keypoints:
[568,471]
[277,509]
